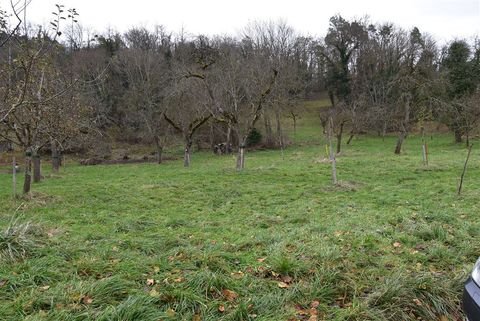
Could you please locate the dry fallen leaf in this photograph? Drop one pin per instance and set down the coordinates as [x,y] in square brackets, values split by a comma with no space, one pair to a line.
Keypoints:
[221,308]
[261,269]
[397,244]
[299,309]
[171,313]
[282,285]
[261,259]
[417,302]
[315,304]
[197,317]
[237,275]
[150,282]
[420,247]
[287,279]
[154,293]
[45,287]
[229,295]
[2,283]
[87,300]
[178,280]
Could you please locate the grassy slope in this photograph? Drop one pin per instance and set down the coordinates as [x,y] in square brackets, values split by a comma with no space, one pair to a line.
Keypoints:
[392,242]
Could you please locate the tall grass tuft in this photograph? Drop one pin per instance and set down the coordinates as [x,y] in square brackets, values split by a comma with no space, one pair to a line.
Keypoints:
[19,240]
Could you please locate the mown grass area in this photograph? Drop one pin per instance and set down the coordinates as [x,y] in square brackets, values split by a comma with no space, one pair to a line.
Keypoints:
[275,242]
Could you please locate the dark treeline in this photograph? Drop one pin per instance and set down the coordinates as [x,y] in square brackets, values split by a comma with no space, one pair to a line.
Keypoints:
[152,86]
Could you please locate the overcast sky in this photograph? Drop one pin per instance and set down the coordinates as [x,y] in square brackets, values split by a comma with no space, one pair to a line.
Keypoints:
[444,19]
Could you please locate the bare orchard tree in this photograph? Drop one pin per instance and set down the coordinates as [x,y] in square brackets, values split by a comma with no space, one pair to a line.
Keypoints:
[413,83]
[287,53]
[146,66]
[190,102]
[378,66]
[462,114]
[257,93]
[30,85]
[188,109]
[246,78]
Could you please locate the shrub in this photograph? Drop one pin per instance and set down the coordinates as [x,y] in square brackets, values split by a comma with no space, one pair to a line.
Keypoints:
[254,138]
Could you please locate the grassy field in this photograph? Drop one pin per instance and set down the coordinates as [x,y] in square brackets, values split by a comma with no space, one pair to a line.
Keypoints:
[275,242]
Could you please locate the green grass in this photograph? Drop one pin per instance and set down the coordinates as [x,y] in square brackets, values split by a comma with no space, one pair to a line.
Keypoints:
[104,234]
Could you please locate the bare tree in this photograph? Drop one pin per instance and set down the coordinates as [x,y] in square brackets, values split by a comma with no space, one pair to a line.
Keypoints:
[30,85]
[187,113]
[413,83]
[246,78]
[145,62]
[342,43]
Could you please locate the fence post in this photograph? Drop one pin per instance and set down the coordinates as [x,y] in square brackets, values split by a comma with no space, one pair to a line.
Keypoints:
[14,177]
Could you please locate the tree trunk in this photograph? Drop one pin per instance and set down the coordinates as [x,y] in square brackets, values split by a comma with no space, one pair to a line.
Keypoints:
[241,158]
[401,138]
[268,130]
[212,136]
[352,134]
[159,149]
[37,173]
[404,127]
[425,153]
[187,153]
[384,130]
[27,182]
[332,154]
[159,154]
[458,135]
[14,177]
[339,137]
[464,170]
[228,143]
[294,125]
[55,157]
[279,130]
